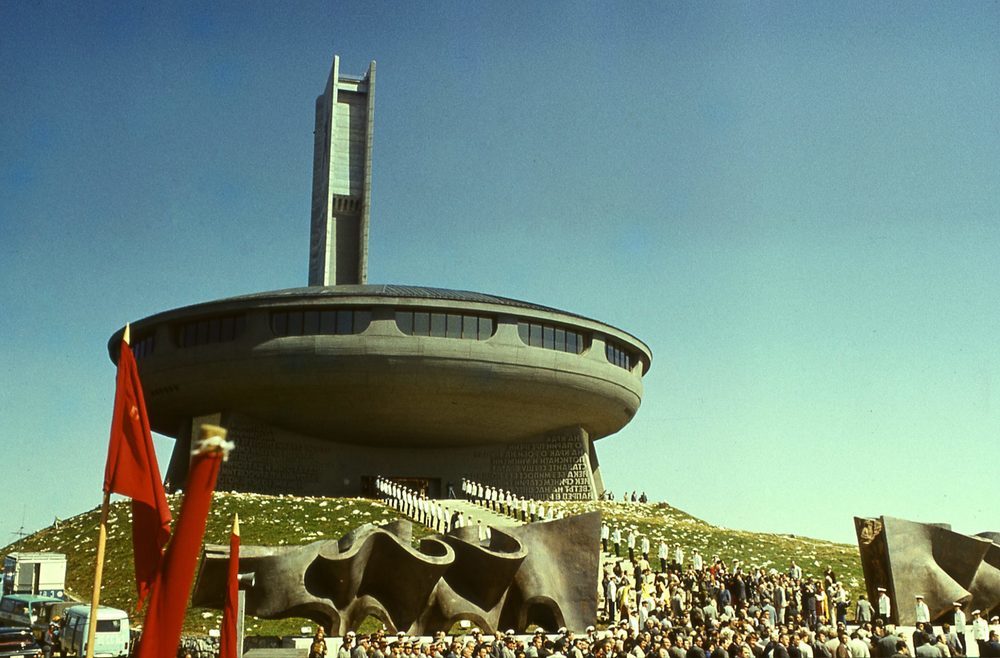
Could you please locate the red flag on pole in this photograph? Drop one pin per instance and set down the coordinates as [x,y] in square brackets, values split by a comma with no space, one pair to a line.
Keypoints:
[161,632]
[132,471]
[228,638]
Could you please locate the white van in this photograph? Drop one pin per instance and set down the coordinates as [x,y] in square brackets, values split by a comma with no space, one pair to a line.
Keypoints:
[110,640]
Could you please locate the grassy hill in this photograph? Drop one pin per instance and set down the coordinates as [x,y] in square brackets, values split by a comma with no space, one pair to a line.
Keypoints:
[660,521]
[276,520]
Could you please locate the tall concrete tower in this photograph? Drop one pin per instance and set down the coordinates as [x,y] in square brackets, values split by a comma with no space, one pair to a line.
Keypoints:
[342,160]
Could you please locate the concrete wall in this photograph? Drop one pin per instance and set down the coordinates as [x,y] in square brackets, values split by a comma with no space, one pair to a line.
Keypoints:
[273,461]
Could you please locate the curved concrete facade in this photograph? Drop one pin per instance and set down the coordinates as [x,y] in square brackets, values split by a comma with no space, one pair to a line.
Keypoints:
[388,399]
[383,386]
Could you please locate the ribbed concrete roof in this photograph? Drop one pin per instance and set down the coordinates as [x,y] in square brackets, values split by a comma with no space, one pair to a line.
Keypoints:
[397,290]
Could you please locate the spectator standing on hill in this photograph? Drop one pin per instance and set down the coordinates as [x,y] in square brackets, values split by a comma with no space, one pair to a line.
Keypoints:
[809,606]
[863,611]
[662,554]
[780,602]
[616,539]
[631,546]
[611,598]
[840,602]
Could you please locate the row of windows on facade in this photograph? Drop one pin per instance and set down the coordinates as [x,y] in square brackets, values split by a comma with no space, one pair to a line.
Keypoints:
[618,355]
[445,325]
[311,323]
[551,337]
[412,323]
[212,330]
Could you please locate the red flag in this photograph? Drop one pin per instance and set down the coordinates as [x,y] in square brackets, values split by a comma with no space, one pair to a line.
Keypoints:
[228,639]
[132,471]
[168,598]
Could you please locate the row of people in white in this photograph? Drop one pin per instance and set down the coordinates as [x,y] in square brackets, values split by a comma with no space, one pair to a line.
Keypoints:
[507,503]
[431,513]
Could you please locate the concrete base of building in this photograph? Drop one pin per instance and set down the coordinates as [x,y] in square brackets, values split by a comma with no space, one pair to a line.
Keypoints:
[561,465]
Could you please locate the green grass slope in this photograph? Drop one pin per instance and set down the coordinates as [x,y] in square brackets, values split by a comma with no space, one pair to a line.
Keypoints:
[290,520]
[659,521]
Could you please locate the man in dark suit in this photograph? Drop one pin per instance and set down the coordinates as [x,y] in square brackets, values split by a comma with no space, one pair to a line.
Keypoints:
[780,649]
[991,649]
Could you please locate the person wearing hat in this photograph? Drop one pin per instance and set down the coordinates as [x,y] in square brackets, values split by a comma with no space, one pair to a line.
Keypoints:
[346,645]
[509,645]
[921,613]
[980,630]
[958,622]
[884,605]
[360,649]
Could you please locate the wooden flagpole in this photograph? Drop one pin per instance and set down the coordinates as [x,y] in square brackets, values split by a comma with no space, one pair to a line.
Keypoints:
[102,539]
[102,536]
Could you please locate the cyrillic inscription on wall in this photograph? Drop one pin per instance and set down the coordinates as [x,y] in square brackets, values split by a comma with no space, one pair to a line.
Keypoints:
[554,468]
[265,463]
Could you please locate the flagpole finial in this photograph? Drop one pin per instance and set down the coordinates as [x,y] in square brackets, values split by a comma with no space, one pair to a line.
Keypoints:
[236,524]
[212,438]
[127,335]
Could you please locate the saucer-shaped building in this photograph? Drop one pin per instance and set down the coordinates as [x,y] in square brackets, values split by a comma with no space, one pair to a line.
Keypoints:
[326,387]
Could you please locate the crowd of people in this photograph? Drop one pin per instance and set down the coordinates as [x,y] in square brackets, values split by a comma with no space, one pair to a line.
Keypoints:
[732,611]
[681,606]
[739,637]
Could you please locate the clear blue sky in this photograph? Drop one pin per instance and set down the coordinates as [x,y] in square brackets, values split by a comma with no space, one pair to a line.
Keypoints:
[796,205]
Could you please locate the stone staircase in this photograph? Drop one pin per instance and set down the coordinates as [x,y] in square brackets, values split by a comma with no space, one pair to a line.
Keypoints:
[478,513]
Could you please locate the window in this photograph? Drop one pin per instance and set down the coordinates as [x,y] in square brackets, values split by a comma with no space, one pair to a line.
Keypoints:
[108,625]
[618,355]
[143,346]
[209,330]
[551,337]
[445,325]
[313,322]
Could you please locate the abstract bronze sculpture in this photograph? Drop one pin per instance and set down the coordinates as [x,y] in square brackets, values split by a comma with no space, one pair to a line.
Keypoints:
[943,566]
[540,573]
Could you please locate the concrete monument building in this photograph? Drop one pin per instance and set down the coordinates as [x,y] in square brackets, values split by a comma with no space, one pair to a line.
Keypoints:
[328,386]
